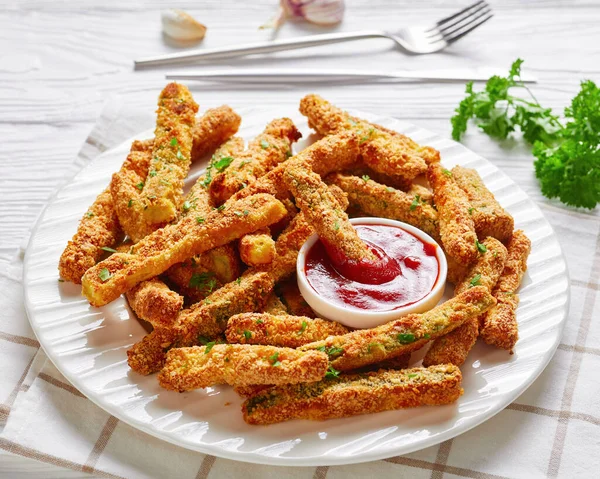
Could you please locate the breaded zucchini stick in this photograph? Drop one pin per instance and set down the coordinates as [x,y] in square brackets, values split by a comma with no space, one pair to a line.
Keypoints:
[457,229]
[274,305]
[212,129]
[293,299]
[454,347]
[239,365]
[367,346]
[153,301]
[398,362]
[386,202]
[162,191]
[395,155]
[267,150]
[323,212]
[98,228]
[281,330]
[489,217]
[206,319]
[257,248]
[353,394]
[332,153]
[175,243]
[499,325]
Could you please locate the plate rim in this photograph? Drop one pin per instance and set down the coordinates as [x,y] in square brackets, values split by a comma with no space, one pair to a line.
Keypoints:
[307,461]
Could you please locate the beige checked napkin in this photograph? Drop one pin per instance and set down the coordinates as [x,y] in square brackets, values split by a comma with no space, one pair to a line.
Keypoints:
[552,430]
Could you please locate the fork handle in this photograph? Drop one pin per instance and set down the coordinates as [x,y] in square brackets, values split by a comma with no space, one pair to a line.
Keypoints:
[255,48]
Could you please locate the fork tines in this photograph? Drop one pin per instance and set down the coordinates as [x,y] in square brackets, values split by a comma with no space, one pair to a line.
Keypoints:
[456,26]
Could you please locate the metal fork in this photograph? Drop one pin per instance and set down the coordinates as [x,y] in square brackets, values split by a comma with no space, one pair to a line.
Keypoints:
[415,40]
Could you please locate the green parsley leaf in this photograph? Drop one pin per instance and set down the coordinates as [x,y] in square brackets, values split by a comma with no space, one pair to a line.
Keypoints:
[222,163]
[152,173]
[275,359]
[471,211]
[89,214]
[247,334]
[239,280]
[475,280]
[336,225]
[264,144]
[412,375]
[246,212]
[130,203]
[415,202]
[447,172]
[200,220]
[203,340]
[208,347]
[480,246]
[204,281]
[186,205]
[174,141]
[238,213]
[366,178]
[140,185]
[303,327]
[331,351]
[110,250]
[104,274]
[180,156]
[220,208]
[406,338]
[332,373]
[259,321]
[60,280]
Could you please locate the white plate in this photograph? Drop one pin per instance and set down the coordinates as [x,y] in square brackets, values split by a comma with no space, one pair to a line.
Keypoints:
[88,345]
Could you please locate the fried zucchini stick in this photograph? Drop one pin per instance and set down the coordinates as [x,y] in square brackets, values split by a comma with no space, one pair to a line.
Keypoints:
[323,212]
[267,150]
[274,305]
[257,248]
[499,325]
[239,365]
[98,228]
[489,217]
[153,301]
[391,154]
[454,347]
[282,330]
[293,299]
[353,394]
[457,229]
[386,202]
[332,153]
[367,346]
[212,129]
[175,243]
[206,319]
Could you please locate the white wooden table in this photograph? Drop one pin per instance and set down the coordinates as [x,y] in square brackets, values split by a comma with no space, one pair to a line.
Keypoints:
[59,61]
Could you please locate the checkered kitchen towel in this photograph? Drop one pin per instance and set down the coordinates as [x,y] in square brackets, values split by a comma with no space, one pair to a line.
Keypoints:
[552,430]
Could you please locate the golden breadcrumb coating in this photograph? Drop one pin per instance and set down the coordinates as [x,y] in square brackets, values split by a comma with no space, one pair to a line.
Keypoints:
[239,365]
[353,394]
[499,325]
[162,190]
[267,150]
[455,346]
[281,330]
[212,129]
[386,202]
[98,228]
[251,390]
[398,362]
[332,153]
[391,154]
[367,346]
[457,270]
[274,305]
[257,248]
[175,243]
[323,212]
[489,217]
[293,299]
[457,229]
[206,319]
[153,301]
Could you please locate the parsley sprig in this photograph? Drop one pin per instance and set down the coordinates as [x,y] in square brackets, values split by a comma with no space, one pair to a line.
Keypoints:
[568,156]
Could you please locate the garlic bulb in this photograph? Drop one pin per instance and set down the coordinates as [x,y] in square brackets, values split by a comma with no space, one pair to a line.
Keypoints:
[321,12]
[181,26]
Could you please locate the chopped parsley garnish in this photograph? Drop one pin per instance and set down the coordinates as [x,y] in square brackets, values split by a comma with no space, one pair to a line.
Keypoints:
[203,340]
[406,338]
[480,246]
[174,141]
[447,172]
[239,280]
[259,321]
[60,280]
[180,156]
[415,202]
[222,163]
[389,189]
[110,250]
[302,328]
[370,346]
[220,208]
[275,359]
[366,178]
[89,214]
[204,281]
[288,154]
[130,204]
[332,373]
[247,334]
[152,173]
[186,205]
[238,213]
[208,347]
[475,280]
[199,220]
[471,211]
[331,351]
[412,375]
[246,212]
[140,185]
[104,274]
[264,144]
[336,225]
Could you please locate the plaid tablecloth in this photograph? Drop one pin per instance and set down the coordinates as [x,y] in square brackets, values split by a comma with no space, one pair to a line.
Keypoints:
[552,430]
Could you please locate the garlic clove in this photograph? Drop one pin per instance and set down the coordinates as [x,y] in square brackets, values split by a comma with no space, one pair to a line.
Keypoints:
[323,12]
[181,26]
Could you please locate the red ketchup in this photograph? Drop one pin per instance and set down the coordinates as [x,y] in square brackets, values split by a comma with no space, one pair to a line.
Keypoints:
[405,272]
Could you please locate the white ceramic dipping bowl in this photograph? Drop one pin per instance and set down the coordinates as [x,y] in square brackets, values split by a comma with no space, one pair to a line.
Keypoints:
[364,318]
